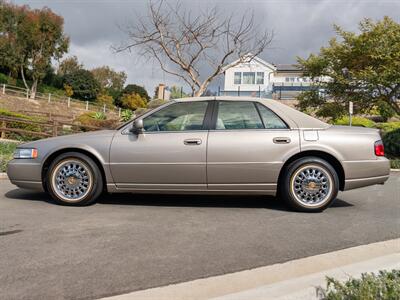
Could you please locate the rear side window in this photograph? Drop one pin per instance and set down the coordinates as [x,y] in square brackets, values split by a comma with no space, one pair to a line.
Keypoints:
[270,119]
[238,115]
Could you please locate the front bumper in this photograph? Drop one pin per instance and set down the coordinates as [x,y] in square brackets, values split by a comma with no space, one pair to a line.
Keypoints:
[365,172]
[25,173]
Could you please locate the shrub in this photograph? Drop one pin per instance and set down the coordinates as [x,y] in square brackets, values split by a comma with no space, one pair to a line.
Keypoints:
[387,127]
[133,89]
[99,116]
[391,140]
[385,110]
[106,99]
[132,101]
[6,153]
[383,286]
[126,115]
[3,78]
[395,163]
[356,121]
[89,119]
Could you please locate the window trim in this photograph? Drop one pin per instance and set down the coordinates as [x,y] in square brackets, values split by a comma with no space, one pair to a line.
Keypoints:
[234,77]
[214,118]
[262,77]
[249,72]
[205,124]
[284,122]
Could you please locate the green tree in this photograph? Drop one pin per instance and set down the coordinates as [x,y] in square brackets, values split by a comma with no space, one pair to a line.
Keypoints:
[69,65]
[132,89]
[176,93]
[132,101]
[111,81]
[104,98]
[83,84]
[363,68]
[31,38]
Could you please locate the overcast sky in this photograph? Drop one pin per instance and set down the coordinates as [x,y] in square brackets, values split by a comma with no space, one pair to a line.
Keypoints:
[300,27]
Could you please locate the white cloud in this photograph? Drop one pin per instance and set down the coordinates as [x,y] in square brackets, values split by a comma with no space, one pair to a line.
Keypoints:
[300,26]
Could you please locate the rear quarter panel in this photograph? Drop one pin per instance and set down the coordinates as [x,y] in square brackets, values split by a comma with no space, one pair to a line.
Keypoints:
[353,147]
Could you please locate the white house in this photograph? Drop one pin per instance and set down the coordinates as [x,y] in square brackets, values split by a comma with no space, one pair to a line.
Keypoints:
[259,78]
[248,78]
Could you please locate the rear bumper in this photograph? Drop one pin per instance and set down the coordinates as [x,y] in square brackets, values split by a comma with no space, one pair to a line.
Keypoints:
[366,172]
[25,174]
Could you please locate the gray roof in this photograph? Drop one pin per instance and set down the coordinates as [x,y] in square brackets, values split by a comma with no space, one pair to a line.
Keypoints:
[288,67]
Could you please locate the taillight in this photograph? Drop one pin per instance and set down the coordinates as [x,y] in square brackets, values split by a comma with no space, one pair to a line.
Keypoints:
[379,148]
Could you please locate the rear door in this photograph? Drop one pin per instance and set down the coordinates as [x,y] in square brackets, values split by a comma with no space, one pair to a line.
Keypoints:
[247,147]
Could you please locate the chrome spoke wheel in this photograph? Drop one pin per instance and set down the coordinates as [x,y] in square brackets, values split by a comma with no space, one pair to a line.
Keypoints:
[311,185]
[72,180]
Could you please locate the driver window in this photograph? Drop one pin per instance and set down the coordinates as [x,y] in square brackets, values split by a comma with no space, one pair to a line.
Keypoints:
[182,116]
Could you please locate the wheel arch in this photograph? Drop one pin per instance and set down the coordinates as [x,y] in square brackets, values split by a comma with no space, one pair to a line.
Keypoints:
[52,156]
[320,154]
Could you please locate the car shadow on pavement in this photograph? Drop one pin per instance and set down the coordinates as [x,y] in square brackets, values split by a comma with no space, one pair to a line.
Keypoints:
[22,194]
[233,201]
[239,201]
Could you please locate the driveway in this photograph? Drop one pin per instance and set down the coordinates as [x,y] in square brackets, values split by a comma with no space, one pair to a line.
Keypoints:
[131,242]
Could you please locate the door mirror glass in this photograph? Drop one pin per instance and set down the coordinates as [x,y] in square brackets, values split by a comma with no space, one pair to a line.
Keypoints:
[137,126]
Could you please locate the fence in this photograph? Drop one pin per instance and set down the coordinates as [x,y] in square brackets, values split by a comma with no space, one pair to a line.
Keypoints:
[43,128]
[67,101]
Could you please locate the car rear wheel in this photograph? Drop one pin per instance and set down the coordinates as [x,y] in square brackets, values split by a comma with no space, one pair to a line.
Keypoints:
[309,184]
[74,179]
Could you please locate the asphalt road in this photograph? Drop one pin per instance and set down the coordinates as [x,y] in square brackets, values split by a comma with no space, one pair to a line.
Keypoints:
[131,242]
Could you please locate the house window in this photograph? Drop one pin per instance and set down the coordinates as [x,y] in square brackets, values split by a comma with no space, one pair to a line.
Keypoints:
[249,77]
[287,79]
[260,78]
[238,78]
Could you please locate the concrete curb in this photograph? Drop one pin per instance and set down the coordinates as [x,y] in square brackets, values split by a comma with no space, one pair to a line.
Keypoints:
[291,280]
[3,176]
[394,170]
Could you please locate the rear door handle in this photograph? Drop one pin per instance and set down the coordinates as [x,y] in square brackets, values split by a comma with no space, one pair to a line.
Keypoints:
[192,142]
[281,140]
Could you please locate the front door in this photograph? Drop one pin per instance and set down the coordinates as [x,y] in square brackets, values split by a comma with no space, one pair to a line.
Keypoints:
[246,150]
[169,154]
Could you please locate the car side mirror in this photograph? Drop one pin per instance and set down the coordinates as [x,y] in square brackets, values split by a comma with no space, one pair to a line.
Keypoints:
[137,126]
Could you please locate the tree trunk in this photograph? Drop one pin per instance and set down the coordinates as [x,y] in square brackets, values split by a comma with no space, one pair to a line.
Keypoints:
[23,78]
[33,89]
[201,90]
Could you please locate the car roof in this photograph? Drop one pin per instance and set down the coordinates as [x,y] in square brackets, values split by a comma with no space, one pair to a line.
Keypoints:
[295,118]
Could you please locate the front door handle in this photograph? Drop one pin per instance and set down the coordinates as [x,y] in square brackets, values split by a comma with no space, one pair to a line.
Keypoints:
[192,142]
[281,140]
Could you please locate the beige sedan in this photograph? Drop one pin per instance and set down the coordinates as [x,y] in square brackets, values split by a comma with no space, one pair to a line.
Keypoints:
[211,145]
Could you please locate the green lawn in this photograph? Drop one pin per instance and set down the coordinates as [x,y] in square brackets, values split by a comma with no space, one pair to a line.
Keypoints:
[6,153]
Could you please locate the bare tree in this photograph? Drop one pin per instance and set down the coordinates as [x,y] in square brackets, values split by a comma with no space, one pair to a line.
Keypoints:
[184,43]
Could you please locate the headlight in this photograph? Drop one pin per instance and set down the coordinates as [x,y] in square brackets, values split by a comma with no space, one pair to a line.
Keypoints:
[25,153]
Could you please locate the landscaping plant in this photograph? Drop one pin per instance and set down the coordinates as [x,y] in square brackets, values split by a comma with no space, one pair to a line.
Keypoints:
[6,154]
[382,286]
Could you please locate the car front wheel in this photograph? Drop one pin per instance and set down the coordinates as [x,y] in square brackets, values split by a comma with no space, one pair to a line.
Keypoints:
[74,179]
[309,184]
